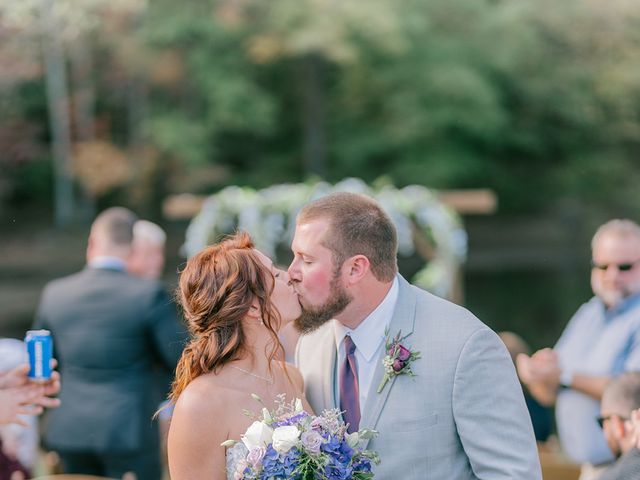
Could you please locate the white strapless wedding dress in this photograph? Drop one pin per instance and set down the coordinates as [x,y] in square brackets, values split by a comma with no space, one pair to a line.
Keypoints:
[234,455]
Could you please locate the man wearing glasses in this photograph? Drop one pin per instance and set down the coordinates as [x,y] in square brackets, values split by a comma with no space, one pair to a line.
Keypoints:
[619,399]
[601,341]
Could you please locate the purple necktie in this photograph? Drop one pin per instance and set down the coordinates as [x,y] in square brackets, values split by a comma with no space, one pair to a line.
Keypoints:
[349,391]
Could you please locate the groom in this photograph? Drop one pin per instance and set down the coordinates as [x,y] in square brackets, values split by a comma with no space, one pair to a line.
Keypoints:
[462,416]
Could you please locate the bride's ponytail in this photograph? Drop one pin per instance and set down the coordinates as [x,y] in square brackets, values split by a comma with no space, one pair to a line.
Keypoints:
[189,366]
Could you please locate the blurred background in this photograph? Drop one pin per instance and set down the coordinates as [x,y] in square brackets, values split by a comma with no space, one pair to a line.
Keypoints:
[128,102]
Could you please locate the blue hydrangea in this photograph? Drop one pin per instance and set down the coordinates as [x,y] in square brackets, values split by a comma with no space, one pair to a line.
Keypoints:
[362,465]
[338,449]
[291,461]
[335,470]
[272,467]
[332,445]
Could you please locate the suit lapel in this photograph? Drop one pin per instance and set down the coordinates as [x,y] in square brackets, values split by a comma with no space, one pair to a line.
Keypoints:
[402,321]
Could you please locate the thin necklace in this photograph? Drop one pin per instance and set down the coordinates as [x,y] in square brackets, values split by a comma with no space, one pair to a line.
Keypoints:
[268,380]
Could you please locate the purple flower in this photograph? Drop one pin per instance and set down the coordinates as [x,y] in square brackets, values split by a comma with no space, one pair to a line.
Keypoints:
[312,441]
[398,351]
[403,353]
[255,456]
[398,365]
[318,423]
[397,361]
[294,420]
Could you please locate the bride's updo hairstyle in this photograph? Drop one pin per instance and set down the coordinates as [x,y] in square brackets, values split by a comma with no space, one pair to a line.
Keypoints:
[215,293]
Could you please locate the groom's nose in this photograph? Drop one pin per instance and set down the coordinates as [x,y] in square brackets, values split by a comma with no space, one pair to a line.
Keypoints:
[293,271]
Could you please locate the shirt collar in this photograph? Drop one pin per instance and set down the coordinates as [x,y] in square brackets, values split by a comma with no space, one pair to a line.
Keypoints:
[625,305]
[371,332]
[107,262]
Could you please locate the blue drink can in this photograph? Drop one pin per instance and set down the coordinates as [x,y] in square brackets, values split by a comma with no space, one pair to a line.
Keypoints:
[40,350]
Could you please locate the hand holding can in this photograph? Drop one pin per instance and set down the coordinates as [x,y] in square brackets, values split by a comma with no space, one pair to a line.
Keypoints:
[21,395]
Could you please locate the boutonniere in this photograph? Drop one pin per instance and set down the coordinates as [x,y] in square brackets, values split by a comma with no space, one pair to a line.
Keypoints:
[398,359]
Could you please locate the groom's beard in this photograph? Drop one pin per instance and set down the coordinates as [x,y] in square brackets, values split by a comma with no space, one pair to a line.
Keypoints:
[314,317]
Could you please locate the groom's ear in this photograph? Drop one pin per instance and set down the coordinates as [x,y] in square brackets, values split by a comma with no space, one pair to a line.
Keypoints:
[357,268]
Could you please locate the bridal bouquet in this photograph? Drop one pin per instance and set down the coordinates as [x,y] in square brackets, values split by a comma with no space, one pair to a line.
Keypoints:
[291,443]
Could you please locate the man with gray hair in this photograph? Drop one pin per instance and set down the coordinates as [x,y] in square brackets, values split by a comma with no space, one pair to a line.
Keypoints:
[109,329]
[619,399]
[601,341]
[147,250]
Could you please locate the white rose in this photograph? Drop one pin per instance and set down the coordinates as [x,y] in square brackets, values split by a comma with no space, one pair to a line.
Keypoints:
[284,438]
[257,435]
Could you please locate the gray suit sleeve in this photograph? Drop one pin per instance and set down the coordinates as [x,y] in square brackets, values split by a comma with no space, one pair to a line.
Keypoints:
[491,417]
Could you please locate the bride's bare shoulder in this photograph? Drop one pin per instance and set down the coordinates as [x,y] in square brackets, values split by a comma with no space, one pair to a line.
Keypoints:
[200,423]
[205,394]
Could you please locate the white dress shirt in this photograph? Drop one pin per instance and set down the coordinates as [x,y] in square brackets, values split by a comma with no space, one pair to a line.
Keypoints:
[369,339]
[108,262]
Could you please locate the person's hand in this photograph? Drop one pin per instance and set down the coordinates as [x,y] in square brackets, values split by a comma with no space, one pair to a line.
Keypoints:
[26,400]
[542,367]
[524,368]
[633,425]
[546,356]
[541,374]
[531,369]
[18,377]
[21,395]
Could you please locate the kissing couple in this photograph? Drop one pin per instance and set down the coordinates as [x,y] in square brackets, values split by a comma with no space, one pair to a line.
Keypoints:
[435,382]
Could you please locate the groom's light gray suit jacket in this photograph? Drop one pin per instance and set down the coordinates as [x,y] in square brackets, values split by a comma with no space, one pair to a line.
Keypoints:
[462,416]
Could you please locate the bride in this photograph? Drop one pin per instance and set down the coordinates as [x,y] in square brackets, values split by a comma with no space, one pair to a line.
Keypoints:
[234,301]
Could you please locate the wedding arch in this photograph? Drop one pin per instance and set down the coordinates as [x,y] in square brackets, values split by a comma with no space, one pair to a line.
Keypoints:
[425,225]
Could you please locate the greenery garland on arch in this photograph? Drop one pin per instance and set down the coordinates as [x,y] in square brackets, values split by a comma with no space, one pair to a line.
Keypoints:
[269,216]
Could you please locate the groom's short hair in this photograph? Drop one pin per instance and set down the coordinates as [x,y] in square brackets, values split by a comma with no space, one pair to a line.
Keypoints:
[358,226]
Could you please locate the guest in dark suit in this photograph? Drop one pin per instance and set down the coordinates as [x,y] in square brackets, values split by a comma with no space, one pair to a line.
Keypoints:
[108,329]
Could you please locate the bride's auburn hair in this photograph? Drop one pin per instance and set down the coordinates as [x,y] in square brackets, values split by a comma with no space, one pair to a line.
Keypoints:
[215,292]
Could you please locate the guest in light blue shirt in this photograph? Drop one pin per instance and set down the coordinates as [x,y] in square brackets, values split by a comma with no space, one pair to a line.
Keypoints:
[602,340]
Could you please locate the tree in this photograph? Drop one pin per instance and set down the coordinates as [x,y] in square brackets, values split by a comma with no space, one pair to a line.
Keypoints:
[535,100]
